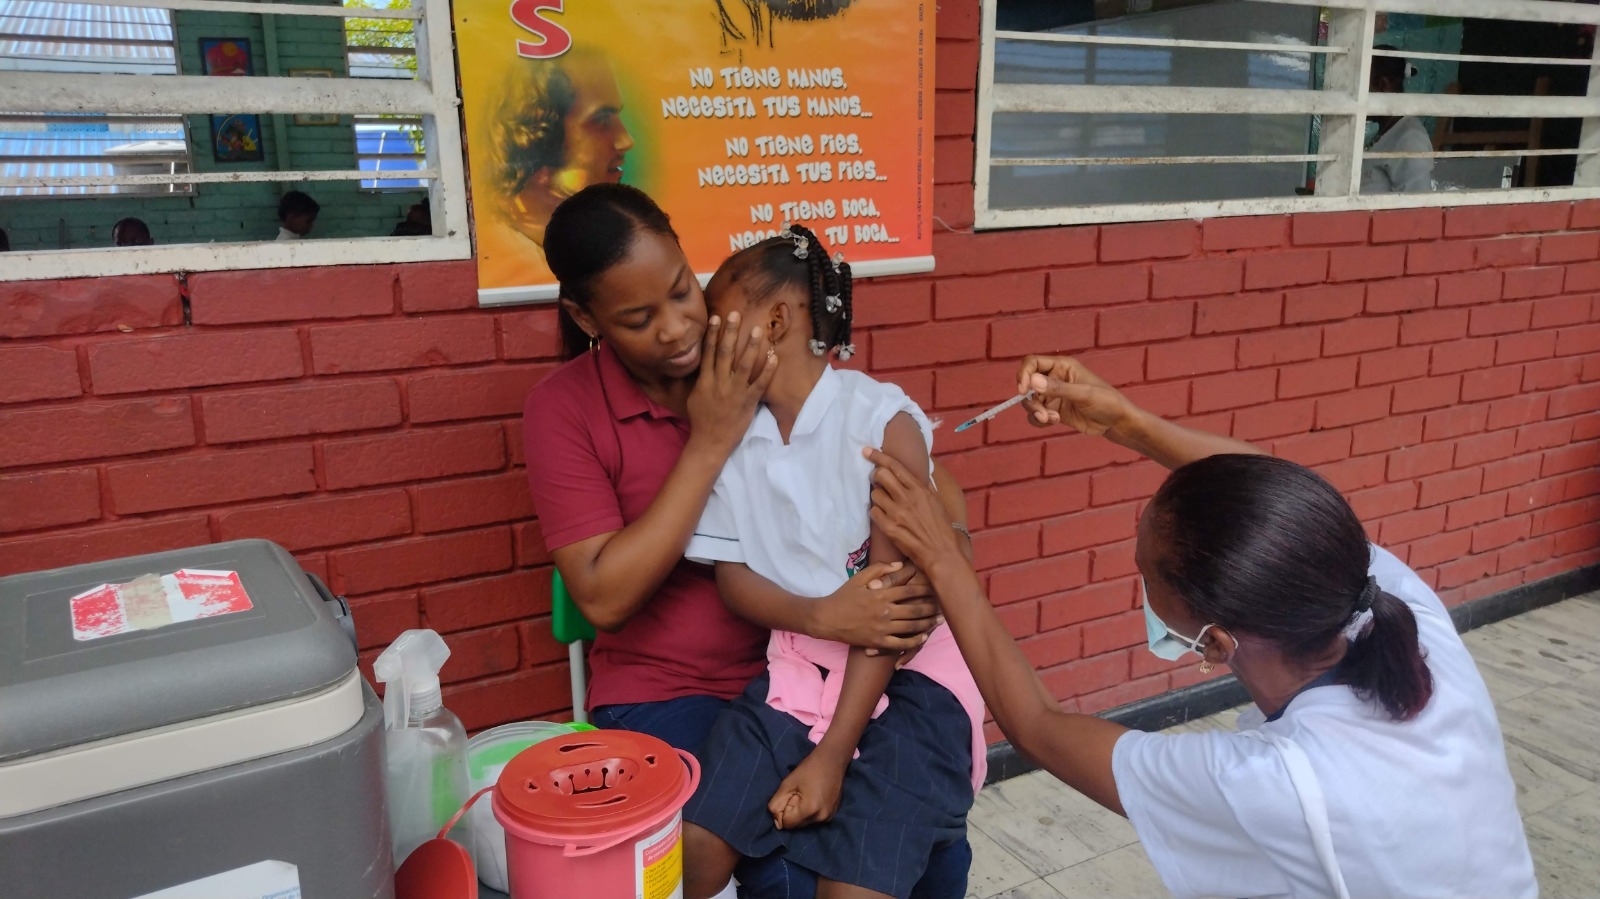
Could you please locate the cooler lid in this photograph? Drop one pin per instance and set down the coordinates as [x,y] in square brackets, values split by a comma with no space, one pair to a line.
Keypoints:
[113,648]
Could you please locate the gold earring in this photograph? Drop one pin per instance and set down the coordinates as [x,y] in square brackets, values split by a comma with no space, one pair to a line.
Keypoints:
[1206,667]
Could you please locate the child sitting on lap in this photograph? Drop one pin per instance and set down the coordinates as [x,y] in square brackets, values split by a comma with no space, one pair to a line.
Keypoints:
[852,769]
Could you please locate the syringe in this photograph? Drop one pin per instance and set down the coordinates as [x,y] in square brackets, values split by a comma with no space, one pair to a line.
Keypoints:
[995,411]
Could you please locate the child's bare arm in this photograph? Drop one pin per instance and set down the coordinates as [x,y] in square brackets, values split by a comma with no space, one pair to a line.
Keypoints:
[866,677]
[810,794]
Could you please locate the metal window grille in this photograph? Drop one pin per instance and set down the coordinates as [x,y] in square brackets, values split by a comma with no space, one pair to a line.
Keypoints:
[1037,89]
[45,35]
[429,98]
[380,48]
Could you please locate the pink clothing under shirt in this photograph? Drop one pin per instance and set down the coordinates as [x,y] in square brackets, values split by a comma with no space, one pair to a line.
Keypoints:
[799,689]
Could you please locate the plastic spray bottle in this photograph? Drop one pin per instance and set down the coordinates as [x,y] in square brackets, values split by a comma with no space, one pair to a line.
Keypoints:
[425,746]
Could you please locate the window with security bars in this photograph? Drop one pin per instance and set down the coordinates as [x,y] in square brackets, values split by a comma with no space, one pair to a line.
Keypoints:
[346,106]
[49,36]
[385,48]
[1121,110]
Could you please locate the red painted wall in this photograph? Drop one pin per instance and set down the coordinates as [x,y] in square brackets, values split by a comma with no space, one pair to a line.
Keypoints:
[1442,367]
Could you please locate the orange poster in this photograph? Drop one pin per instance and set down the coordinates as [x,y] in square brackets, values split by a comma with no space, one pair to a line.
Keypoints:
[735,115]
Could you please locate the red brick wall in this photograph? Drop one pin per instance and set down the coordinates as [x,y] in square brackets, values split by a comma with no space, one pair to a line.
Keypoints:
[1442,367]
[364,417]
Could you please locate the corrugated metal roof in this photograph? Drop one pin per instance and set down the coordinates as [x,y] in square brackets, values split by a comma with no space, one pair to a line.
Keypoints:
[70,143]
[81,32]
[39,154]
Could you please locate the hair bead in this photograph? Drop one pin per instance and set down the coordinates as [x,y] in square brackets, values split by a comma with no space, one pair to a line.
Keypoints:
[788,260]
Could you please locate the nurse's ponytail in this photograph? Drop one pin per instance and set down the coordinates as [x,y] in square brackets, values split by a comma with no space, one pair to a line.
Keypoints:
[1265,547]
[1384,662]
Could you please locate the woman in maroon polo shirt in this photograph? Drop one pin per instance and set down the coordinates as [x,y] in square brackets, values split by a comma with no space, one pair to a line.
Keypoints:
[624,443]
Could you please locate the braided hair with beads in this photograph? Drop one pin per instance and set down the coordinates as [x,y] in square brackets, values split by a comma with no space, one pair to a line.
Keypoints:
[796,257]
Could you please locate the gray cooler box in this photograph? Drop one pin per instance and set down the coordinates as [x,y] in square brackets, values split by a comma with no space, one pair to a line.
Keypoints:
[186,725]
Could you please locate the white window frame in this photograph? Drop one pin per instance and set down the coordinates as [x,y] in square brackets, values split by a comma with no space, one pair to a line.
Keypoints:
[1343,103]
[379,188]
[431,95]
[169,187]
[72,63]
[351,50]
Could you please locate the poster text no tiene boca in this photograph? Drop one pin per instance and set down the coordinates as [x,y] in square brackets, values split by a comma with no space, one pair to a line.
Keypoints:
[734,115]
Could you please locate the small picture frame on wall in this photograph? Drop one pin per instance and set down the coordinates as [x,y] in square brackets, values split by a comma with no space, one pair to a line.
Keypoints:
[236,138]
[225,56]
[314,118]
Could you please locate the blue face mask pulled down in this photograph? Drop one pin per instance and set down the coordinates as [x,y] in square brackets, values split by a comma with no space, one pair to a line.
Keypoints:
[1163,641]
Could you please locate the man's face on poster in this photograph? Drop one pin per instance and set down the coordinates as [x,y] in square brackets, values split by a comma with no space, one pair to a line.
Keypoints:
[596,141]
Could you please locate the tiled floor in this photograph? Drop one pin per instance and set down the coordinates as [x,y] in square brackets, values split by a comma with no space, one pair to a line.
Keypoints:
[1033,838]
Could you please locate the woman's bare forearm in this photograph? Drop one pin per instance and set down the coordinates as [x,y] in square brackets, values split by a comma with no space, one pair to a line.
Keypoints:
[954,501]
[1171,444]
[1075,748]
[761,602]
[613,576]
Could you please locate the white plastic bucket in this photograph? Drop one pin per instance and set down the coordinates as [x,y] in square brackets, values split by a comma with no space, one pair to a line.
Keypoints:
[487,755]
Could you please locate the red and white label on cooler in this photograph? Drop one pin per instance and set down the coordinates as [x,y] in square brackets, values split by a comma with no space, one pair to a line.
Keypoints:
[153,601]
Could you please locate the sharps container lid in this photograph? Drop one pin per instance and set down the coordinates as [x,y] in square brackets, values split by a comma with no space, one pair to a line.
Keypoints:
[589,783]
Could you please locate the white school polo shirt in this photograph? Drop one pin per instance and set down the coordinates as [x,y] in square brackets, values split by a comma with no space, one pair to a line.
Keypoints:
[797,512]
[1423,808]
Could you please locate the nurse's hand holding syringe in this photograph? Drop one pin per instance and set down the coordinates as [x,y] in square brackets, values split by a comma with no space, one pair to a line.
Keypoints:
[1060,390]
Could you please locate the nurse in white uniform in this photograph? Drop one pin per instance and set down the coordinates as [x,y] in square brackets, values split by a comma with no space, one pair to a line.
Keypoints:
[1372,763]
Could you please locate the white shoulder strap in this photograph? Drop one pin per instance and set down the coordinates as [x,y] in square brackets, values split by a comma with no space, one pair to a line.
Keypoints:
[1312,804]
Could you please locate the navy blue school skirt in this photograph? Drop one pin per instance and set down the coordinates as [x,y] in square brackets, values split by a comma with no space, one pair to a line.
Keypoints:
[907,792]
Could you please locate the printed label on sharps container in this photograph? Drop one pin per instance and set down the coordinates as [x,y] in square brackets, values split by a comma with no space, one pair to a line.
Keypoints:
[658,862]
[153,601]
[262,880]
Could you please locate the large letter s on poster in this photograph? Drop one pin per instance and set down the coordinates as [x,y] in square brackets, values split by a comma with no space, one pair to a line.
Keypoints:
[555,39]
